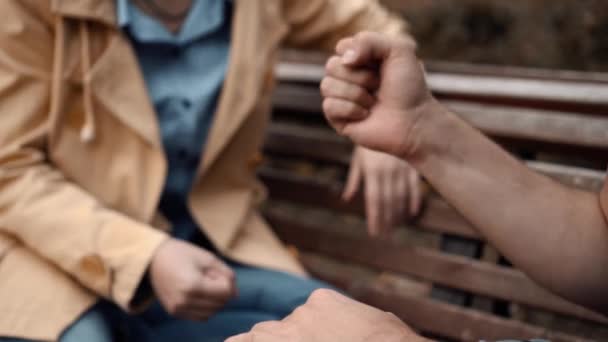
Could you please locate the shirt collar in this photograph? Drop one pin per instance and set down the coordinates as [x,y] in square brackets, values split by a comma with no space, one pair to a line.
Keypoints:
[122,13]
[205,17]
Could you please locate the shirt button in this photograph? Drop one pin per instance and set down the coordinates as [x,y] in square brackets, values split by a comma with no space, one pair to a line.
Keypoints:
[186,104]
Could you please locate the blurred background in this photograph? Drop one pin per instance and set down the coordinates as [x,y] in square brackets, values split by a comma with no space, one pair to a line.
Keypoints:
[554,34]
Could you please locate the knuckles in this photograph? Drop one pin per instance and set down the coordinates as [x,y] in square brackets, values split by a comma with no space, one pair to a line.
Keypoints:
[321,296]
[332,65]
[332,109]
[326,85]
[361,95]
[366,36]
[177,306]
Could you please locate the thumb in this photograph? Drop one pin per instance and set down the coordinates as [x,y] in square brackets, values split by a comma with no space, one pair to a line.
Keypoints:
[367,48]
[213,267]
[218,287]
[218,270]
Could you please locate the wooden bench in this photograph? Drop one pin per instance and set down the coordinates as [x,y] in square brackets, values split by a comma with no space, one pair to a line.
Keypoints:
[436,272]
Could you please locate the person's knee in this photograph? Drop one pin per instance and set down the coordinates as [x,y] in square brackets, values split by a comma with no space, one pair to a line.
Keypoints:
[91,327]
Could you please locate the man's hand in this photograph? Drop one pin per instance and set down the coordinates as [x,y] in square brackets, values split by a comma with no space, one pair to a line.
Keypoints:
[392,188]
[190,282]
[328,317]
[375,92]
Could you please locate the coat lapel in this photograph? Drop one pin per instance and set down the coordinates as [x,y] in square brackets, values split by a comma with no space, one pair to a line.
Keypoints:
[251,46]
[100,10]
[119,85]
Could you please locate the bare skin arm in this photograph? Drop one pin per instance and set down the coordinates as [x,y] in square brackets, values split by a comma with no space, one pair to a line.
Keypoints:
[557,235]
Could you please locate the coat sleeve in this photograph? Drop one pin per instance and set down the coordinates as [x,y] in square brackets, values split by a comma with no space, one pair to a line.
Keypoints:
[104,250]
[322,23]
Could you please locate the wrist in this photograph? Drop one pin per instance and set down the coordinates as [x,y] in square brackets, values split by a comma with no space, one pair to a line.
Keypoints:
[429,134]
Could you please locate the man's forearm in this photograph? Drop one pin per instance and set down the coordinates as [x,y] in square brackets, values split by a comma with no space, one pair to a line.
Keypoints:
[556,234]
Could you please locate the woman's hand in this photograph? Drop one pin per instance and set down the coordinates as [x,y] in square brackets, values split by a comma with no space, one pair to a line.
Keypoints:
[392,189]
[190,282]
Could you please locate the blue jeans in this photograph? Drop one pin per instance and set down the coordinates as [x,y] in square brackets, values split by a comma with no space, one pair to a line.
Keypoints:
[263,295]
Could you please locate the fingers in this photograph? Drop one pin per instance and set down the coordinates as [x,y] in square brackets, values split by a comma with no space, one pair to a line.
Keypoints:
[205,303]
[388,203]
[345,45]
[338,89]
[217,273]
[195,314]
[219,267]
[195,306]
[364,77]
[402,195]
[415,197]
[373,203]
[354,179]
[343,110]
[217,289]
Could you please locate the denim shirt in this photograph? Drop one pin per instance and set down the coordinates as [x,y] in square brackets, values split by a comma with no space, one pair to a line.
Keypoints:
[184,74]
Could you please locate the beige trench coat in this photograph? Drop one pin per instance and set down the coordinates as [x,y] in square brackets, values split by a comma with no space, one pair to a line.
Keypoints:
[81,161]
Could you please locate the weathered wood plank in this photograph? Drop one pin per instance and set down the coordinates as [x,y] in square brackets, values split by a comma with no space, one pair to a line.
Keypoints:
[535,125]
[533,87]
[318,58]
[448,270]
[307,142]
[429,315]
[436,217]
[348,276]
[324,145]
[528,125]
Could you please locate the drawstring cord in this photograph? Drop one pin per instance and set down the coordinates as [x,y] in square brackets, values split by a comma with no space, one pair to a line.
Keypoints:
[87,132]
[57,80]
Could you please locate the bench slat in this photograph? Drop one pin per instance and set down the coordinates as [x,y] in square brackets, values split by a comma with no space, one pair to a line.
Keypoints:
[534,125]
[448,270]
[316,59]
[551,128]
[324,145]
[503,85]
[437,216]
[429,315]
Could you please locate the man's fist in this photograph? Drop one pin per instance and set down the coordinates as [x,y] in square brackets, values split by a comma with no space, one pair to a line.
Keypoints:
[190,282]
[328,317]
[375,92]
